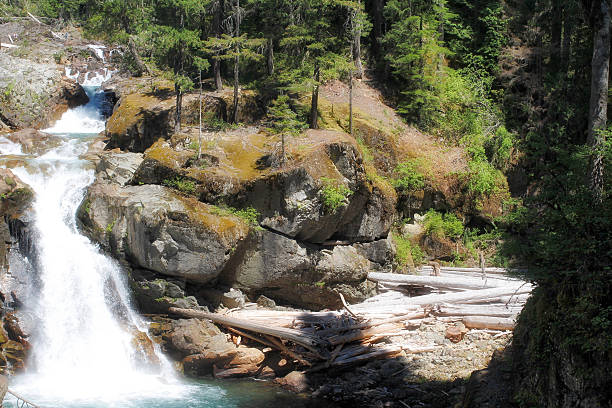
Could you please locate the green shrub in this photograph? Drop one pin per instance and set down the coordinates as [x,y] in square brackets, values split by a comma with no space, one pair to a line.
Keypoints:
[334,194]
[482,178]
[405,250]
[249,215]
[409,178]
[181,184]
[443,225]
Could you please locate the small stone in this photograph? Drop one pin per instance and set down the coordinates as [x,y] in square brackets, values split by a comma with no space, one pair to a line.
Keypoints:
[232,299]
[266,302]
[295,381]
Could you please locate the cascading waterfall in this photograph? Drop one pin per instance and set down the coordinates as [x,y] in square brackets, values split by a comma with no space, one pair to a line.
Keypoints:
[83,346]
[83,350]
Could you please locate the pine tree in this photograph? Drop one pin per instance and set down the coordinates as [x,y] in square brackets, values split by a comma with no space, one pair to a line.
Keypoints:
[283,121]
[234,47]
[178,44]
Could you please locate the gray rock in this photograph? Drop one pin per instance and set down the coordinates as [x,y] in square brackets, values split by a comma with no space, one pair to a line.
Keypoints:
[155,294]
[412,230]
[283,269]
[35,93]
[266,302]
[118,168]
[381,251]
[233,298]
[154,228]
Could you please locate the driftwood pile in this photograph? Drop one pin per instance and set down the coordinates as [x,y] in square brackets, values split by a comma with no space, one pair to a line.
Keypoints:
[358,333]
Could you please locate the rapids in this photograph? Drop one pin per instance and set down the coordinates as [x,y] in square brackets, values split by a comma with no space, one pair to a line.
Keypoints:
[83,351]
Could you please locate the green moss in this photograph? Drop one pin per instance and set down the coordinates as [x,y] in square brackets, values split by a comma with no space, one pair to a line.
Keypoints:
[181,184]
[407,253]
[249,215]
[10,182]
[334,194]
[110,226]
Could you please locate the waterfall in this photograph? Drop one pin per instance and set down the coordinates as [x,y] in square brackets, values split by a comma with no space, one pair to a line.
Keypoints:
[83,349]
[83,353]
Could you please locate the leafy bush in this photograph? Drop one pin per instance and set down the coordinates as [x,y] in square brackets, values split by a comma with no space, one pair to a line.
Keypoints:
[409,178]
[443,225]
[405,251]
[184,185]
[482,178]
[334,194]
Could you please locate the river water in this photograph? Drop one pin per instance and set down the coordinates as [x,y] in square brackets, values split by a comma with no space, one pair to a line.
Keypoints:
[83,351]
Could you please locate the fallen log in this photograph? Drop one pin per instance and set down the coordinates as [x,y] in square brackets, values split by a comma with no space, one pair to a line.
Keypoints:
[387,351]
[306,340]
[361,334]
[439,281]
[477,310]
[488,322]
[468,295]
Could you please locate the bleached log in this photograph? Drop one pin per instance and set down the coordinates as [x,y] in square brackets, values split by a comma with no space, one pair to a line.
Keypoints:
[488,322]
[307,340]
[438,281]
[5,45]
[519,299]
[34,18]
[362,334]
[477,310]
[368,356]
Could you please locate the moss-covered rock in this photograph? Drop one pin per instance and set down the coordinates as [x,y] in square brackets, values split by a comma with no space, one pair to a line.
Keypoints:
[34,94]
[157,229]
[292,199]
[146,111]
[15,195]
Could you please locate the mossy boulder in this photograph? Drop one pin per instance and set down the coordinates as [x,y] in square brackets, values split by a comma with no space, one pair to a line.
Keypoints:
[157,229]
[292,199]
[34,94]
[145,111]
[156,294]
[298,274]
[15,195]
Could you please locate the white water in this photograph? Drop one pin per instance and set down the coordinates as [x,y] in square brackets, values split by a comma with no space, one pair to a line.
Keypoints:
[83,351]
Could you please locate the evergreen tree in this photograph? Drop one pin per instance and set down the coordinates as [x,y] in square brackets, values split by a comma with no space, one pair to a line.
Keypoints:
[283,121]
[179,44]
[235,47]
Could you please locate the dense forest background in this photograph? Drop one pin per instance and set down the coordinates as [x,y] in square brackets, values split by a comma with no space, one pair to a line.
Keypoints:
[521,85]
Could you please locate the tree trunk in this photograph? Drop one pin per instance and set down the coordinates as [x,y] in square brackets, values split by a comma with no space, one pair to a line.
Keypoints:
[568,28]
[236,66]
[357,52]
[377,27]
[314,105]
[270,56]
[556,27]
[598,106]
[200,114]
[351,103]
[217,18]
[179,107]
[140,65]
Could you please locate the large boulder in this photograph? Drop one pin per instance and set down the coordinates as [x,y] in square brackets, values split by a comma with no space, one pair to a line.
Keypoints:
[293,200]
[204,350]
[34,94]
[284,269]
[157,229]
